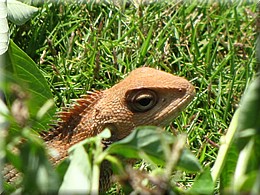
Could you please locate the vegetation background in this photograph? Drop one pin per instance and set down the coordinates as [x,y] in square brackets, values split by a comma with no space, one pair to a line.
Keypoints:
[81,46]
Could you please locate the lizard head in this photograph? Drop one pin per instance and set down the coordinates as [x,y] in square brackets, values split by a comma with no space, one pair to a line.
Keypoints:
[146,97]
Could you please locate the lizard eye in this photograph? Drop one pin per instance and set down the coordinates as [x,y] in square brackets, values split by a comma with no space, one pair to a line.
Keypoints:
[141,100]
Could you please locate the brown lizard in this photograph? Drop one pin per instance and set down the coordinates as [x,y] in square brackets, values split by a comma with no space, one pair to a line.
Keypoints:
[145,97]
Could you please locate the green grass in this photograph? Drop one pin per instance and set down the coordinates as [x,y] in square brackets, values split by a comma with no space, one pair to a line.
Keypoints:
[85,46]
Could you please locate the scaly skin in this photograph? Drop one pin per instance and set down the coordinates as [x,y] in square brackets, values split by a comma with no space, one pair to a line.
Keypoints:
[145,97]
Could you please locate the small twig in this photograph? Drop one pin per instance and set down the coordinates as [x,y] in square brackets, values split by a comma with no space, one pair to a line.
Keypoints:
[211,142]
[175,156]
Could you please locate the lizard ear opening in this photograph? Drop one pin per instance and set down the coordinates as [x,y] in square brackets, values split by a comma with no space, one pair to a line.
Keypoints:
[141,100]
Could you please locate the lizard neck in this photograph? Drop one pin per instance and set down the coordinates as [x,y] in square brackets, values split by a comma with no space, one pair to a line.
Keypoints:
[75,124]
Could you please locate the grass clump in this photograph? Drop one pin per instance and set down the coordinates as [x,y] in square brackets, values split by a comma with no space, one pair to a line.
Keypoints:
[81,46]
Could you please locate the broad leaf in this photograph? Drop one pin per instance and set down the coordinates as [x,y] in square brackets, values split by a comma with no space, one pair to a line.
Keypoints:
[249,115]
[4,29]
[37,166]
[189,162]
[25,71]
[18,12]
[3,126]
[256,187]
[152,141]
[240,159]
[227,173]
[82,175]
[203,184]
[78,176]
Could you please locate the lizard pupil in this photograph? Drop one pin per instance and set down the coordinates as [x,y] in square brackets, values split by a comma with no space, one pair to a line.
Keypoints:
[144,100]
[141,100]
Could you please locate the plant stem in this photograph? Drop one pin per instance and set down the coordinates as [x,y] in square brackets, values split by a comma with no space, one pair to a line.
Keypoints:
[226,142]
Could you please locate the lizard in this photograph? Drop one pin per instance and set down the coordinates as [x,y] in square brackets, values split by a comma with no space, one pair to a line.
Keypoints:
[147,96]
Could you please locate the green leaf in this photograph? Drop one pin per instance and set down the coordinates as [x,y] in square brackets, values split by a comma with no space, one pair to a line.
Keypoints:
[244,127]
[151,142]
[142,139]
[82,175]
[227,173]
[256,187]
[4,29]
[246,169]
[203,184]
[189,162]
[224,166]
[249,115]
[36,166]
[78,176]
[24,69]
[3,126]
[249,181]
[18,12]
